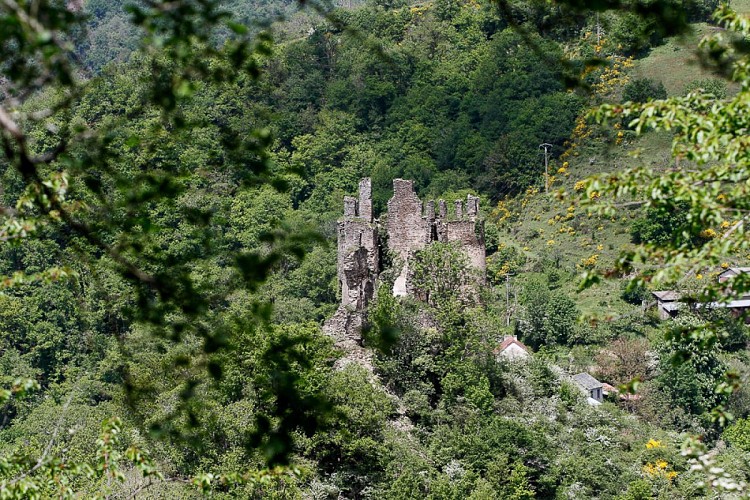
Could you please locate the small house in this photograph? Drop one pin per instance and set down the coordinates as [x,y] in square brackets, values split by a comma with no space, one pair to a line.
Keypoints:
[667,303]
[731,272]
[593,389]
[512,349]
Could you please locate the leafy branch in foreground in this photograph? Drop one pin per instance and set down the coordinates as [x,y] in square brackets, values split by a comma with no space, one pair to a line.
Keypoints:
[53,475]
[710,182]
[707,191]
[100,173]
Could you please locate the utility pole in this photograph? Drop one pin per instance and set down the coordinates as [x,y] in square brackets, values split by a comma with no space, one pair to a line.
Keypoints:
[546,165]
[507,299]
[598,30]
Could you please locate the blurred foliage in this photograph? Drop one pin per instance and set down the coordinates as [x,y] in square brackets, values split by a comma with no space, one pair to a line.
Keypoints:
[713,86]
[171,180]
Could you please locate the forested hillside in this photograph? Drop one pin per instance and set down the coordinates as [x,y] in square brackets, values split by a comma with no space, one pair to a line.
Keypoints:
[172,178]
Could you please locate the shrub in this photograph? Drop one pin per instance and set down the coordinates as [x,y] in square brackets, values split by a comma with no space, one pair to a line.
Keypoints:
[507,260]
[643,90]
[714,86]
[633,293]
[700,10]
[548,316]
[738,434]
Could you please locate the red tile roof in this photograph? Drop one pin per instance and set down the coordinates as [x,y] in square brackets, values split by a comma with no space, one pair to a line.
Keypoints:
[609,388]
[507,342]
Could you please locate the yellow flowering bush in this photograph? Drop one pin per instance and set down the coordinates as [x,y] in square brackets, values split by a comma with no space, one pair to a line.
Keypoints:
[590,262]
[653,443]
[659,468]
[501,212]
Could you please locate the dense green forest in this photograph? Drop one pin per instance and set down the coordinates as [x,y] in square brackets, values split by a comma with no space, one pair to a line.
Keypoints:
[171,187]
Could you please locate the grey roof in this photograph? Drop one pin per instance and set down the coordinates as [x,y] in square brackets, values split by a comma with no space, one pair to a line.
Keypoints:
[736,270]
[667,295]
[733,304]
[586,381]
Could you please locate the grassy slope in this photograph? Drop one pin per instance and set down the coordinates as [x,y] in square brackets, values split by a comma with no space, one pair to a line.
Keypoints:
[674,64]
[742,6]
[542,237]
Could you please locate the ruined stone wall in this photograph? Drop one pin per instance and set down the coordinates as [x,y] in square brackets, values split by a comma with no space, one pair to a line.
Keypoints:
[357,263]
[468,231]
[465,233]
[408,231]
[358,269]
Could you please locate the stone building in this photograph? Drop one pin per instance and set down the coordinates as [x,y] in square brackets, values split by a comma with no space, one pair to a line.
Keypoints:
[409,226]
[592,388]
[669,303]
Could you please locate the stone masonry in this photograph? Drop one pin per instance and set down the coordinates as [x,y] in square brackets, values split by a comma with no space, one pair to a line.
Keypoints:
[358,256]
[409,227]
[408,230]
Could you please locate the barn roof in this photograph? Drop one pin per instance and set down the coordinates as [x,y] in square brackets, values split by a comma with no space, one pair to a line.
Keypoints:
[735,270]
[667,295]
[732,304]
[587,381]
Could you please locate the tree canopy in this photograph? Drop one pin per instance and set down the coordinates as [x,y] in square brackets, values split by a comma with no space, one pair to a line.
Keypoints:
[172,174]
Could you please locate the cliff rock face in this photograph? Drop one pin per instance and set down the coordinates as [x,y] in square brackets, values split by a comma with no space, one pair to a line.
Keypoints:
[409,227]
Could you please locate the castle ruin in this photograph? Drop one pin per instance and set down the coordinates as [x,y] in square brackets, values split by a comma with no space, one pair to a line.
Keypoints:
[409,227]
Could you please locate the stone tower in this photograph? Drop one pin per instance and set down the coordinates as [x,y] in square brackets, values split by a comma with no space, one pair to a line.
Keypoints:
[358,258]
[358,266]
